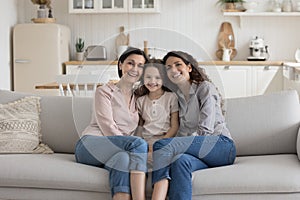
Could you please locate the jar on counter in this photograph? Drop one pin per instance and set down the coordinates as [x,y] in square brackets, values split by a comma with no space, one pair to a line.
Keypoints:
[287,6]
[297,7]
[275,6]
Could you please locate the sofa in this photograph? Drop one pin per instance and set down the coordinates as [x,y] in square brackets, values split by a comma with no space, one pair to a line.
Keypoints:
[265,129]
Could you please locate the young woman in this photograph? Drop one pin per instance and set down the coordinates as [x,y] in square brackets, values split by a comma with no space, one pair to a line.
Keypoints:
[157,105]
[204,140]
[108,142]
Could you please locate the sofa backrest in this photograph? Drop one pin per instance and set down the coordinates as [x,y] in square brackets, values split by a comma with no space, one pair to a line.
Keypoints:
[266,124]
[259,125]
[62,118]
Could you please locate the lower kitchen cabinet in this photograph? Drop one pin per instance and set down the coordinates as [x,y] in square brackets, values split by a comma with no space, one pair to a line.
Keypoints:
[266,79]
[232,81]
[106,72]
[242,81]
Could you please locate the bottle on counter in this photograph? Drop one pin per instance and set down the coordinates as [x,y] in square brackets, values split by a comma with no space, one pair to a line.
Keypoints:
[287,6]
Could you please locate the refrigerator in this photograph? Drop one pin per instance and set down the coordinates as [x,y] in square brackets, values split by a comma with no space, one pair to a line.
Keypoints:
[39,51]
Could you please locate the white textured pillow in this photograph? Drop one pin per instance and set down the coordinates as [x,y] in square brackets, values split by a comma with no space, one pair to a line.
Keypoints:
[20,127]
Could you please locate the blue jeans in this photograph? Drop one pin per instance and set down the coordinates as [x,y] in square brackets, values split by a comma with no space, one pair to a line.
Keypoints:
[118,154]
[176,158]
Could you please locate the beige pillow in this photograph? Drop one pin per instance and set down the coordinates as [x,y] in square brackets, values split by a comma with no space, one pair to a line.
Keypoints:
[20,127]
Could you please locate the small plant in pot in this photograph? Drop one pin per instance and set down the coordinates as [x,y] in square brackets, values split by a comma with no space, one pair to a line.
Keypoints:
[79,49]
[229,4]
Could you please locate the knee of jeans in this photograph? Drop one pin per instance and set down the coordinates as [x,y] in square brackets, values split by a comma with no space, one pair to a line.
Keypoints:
[120,161]
[160,143]
[181,160]
[142,145]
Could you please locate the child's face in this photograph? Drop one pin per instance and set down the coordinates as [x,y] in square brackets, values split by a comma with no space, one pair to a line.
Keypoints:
[152,79]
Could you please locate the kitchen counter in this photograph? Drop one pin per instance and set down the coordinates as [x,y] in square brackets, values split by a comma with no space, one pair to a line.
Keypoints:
[249,63]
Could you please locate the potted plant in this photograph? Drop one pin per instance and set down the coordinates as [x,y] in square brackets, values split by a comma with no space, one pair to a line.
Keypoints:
[79,49]
[229,4]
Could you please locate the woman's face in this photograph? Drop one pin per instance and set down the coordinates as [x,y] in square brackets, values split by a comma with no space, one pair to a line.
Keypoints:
[132,67]
[177,70]
[152,79]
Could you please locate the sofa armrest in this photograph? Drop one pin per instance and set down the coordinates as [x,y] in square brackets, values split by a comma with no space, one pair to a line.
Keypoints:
[298,144]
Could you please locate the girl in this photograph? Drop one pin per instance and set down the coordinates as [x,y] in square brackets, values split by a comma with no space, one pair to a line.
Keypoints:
[157,106]
[108,142]
[205,140]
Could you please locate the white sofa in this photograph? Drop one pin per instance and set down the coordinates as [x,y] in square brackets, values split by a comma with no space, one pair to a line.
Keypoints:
[265,129]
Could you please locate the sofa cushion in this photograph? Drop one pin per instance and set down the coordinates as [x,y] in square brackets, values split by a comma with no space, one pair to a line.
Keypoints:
[52,171]
[20,125]
[62,118]
[266,124]
[251,174]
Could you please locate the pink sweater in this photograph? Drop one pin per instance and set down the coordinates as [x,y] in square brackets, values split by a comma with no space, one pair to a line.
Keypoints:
[111,114]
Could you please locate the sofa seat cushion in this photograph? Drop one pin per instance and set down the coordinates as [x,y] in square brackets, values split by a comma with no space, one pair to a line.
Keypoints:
[251,174]
[53,171]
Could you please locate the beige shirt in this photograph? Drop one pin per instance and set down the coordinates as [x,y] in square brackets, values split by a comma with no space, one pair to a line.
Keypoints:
[157,113]
[111,114]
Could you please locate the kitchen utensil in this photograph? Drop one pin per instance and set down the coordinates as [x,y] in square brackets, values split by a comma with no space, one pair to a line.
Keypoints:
[95,52]
[226,40]
[257,49]
[226,54]
[122,39]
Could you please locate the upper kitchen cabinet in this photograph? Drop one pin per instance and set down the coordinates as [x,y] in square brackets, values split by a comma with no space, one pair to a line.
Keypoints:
[113,6]
[83,6]
[143,6]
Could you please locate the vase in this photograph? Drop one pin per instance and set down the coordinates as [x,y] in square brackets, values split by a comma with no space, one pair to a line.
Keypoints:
[42,12]
[230,6]
[79,56]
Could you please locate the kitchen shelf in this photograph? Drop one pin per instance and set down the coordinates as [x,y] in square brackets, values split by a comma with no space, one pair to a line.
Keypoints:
[260,14]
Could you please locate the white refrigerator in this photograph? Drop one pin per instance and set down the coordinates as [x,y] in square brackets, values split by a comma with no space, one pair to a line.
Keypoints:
[39,51]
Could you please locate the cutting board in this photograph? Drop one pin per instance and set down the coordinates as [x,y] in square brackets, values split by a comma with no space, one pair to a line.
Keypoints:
[122,39]
[226,40]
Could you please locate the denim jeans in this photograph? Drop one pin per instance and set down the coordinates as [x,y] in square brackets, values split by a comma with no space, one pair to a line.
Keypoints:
[176,158]
[118,154]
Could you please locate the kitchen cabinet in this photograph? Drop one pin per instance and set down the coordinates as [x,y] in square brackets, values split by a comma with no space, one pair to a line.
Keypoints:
[266,79]
[232,81]
[291,76]
[105,70]
[143,6]
[245,80]
[114,6]
[83,6]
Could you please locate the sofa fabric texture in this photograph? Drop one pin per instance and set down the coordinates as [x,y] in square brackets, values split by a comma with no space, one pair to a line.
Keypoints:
[264,128]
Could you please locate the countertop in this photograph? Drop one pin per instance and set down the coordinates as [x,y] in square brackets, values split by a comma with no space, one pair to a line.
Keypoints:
[250,63]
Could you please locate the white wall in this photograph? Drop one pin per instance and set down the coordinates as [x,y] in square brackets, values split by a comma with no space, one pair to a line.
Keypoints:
[8,18]
[198,20]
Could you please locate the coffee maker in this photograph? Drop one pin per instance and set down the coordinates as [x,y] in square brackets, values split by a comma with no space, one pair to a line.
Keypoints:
[258,51]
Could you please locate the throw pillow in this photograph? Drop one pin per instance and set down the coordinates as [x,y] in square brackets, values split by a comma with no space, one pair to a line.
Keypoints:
[20,127]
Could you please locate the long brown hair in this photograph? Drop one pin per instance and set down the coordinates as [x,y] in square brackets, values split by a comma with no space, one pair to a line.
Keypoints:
[197,75]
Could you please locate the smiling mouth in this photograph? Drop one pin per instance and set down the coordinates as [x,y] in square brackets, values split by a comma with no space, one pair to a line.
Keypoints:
[176,75]
[132,74]
[152,85]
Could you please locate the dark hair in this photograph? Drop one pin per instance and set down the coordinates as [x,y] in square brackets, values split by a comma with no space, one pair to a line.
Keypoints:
[197,74]
[158,64]
[129,51]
